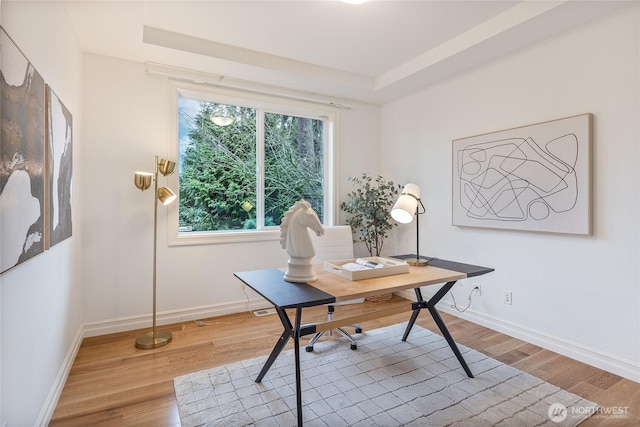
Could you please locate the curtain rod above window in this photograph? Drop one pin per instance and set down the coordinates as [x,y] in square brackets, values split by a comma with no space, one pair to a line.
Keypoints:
[216,80]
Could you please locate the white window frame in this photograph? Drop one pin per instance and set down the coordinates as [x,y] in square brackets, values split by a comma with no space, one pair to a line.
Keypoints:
[274,104]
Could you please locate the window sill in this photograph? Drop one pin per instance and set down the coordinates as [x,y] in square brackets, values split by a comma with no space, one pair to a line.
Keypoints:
[215,237]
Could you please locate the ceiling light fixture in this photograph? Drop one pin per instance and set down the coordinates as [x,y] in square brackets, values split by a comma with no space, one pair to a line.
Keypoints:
[221,120]
[221,116]
[353,1]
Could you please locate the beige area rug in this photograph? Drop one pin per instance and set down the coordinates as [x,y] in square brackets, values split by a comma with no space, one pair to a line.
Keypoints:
[385,382]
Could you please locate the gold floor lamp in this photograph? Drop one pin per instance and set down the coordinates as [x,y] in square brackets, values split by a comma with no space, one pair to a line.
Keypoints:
[164,195]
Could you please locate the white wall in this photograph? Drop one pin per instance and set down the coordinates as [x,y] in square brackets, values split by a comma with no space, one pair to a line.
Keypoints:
[41,299]
[577,295]
[127,121]
[587,300]
[0,296]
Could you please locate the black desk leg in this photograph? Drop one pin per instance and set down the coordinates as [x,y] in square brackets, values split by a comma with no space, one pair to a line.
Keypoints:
[431,306]
[416,311]
[280,344]
[447,336]
[296,340]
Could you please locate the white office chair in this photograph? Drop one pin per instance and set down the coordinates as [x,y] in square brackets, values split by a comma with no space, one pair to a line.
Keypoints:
[336,244]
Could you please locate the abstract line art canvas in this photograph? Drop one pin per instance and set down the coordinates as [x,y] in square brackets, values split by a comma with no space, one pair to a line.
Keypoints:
[22,157]
[532,178]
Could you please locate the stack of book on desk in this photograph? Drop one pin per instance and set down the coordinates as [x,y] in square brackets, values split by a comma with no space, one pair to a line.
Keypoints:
[366,268]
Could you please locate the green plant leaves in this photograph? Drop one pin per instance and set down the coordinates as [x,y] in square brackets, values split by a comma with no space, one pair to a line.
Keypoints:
[369,209]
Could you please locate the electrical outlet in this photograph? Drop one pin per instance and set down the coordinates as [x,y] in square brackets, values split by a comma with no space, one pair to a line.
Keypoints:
[478,290]
[508,298]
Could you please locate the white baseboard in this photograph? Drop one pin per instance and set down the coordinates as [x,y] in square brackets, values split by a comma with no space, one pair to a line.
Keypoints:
[122,324]
[50,403]
[609,362]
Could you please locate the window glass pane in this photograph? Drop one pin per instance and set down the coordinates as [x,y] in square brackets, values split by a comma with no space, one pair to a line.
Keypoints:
[217,166]
[293,164]
[242,167]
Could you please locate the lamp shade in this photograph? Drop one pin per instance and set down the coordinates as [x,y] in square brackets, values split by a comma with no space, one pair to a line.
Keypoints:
[166,167]
[142,180]
[407,204]
[166,196]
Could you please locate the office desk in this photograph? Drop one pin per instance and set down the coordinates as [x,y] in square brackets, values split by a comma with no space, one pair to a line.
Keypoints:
[331,288]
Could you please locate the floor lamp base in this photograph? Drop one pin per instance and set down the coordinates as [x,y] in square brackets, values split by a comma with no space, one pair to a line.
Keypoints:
[147,341]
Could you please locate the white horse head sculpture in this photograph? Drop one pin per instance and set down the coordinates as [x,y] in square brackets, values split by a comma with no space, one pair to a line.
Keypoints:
[295,239]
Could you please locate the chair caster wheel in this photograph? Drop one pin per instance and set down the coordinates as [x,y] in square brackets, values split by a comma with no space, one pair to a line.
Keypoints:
[354,346]
[358,330]
[309,348]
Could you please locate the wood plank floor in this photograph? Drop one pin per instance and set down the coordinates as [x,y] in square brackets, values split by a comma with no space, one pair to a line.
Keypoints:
[112,383]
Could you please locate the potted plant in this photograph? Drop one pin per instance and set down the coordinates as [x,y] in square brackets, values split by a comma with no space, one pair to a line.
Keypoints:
[369,209]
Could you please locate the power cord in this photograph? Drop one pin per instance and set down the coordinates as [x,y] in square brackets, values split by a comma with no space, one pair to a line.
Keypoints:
[455,305]
[246,296]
